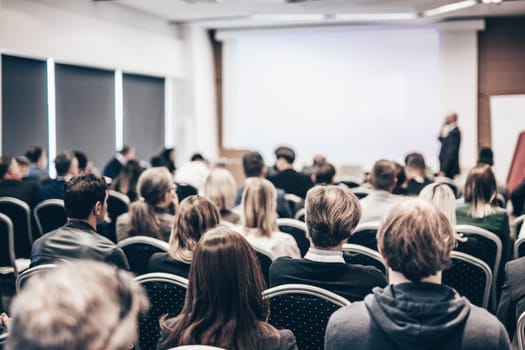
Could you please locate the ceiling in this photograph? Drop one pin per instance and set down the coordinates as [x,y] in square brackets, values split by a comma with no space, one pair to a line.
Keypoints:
[254,13]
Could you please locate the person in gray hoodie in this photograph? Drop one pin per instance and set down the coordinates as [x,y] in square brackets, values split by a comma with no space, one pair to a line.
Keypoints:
[415,311]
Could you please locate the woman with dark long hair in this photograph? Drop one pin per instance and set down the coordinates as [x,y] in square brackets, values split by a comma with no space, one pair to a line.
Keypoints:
[224,305]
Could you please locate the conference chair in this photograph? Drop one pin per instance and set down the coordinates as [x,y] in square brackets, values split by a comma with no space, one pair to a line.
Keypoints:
[20,214]
[294,202]
[185,190]
[196,347]
[484,245]
[50,215]
[8,262]
[361,255]
[22,279]
[449,183]
[139,249]
[118,204]
[515,228]
[300,215]
[304,310]
[166,293]
[265,261]
[520,332]
[519,248]
[297,229]
[3,340]
[365,235]
[471,277]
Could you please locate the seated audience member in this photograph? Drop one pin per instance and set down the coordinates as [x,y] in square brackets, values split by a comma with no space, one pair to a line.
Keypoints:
[11,184]
[152,215]
[85,166]
[401,180]
[66,165]
[168,156]
[512,299]
[23,166]
[318,161]
[479,210]
[332,213]
[83,305]
[85,201]
[195,215]
[324,174]
[193,173]
[416,173]
[486,156]
[224,305]
[517,197]
[378,203]
[38,159]
[221,190]
[442,197]
[113,167]
[259,220]
[287,178]
[253,166]
[126,181]
[415,311]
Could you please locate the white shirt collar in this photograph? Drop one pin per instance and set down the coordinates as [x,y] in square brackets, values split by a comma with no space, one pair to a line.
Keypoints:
[327,256]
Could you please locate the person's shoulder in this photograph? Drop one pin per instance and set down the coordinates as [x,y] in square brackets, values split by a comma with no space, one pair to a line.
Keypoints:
[516,267]
[287,339]
[483,326]
[355,315]
[284,261]
[371,272]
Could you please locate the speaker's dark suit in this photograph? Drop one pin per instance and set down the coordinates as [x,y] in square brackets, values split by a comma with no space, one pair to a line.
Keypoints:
[449,153]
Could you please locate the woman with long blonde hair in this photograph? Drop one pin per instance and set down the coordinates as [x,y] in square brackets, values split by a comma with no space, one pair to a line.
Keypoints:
[259,219]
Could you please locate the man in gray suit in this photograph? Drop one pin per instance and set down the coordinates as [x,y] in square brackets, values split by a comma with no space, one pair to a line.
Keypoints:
[378,203]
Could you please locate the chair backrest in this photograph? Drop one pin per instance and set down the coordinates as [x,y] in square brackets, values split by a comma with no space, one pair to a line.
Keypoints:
[361,255]
[300,215]
[471,277]
[3,340]
[139,249]
[196,347]
[515,229]
[520,332]
[365,235]
[297,229]
[50,215]
[118,204]
[519,247]
[265,261]
[304,310]
[294,202]
[7,246]
[20,214]
[25,275]
[166,294]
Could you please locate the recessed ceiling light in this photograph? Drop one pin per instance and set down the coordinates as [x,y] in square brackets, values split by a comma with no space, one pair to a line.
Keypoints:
[449,8]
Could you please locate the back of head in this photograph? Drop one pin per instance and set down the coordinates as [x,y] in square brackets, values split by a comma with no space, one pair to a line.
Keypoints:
[82,305]
[220,188]
[195,215]
[416,239]
[324,173]
[197,157]
[253,164]
[5,164]
[332,213]
[285,153]
[224,304]
[81,193]
[486,156]
[259,203]
[319,160]
[82,160]
[63,162]
[442,197]
[383,175]
[34,154]
[416,161]
[480,189]
[153,184]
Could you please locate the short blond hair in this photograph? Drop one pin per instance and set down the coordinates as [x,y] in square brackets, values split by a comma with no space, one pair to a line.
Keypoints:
[259,203]
[220,188]
[82,305]
[332,213]
[416,239]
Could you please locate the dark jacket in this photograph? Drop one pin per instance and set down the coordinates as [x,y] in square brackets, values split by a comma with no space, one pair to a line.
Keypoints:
[293,182]
[76,240]
[449,153]
[51,189]
[512,299]
[112,169]
[413,316]
[26,191]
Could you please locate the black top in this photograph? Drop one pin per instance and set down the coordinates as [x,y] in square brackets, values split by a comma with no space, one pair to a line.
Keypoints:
[162,262]
[112,169]
[352,282]
[76,240]
[26,191]
[292,182]
[51,189]
[414,186]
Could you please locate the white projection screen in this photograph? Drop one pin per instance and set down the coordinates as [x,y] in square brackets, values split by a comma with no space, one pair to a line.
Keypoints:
[354,95]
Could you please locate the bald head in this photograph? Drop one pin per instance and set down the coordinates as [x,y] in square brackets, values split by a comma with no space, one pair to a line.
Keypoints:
[451,118]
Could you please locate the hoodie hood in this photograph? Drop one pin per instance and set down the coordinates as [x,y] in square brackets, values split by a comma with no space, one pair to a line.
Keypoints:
[418,315]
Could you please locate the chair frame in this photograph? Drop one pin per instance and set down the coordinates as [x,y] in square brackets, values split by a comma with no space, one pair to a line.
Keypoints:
[11,240]
[486,269]
[39,206]
[162,277]
[514,228]
[119,195]
[372,225]
[26,274]
[26,208]
[517,245]
[157,243]
[520,331]
[299,213]
[496,240]
[297,224]
[360,249]
[264,252]
[305,289]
